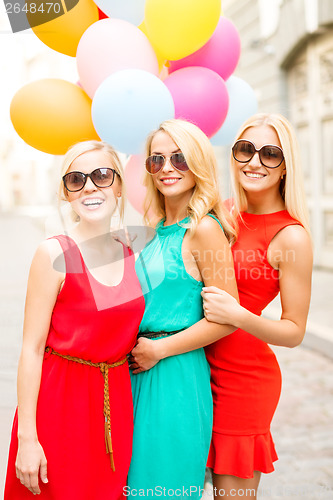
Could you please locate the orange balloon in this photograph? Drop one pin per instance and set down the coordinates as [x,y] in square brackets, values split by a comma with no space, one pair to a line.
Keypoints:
[51,115]
[64,32]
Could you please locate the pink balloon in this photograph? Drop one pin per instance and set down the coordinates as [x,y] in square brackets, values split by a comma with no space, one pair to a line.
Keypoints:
[134,174]
[112,45]
[220,54]
[200,96]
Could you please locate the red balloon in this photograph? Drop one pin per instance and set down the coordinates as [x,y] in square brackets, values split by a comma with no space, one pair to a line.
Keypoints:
[101,14]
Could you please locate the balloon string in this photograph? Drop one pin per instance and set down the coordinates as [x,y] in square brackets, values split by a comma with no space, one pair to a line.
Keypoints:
[64,6]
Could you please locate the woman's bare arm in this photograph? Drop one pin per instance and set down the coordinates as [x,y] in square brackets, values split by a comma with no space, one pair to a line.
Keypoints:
[212,253]
[295,268]
[43,287]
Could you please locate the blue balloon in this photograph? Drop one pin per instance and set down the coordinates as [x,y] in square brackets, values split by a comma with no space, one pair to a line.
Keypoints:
[242,104]
[132,11]
[127,106]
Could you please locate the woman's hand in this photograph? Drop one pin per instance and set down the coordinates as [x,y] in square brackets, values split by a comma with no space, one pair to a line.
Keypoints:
[220,307]
[144,355]
[31,462]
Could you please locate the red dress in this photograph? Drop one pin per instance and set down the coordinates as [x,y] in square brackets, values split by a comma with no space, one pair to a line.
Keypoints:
[245,375]
[99,323]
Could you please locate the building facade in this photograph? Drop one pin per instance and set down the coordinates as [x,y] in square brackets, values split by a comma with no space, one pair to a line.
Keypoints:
[287,57]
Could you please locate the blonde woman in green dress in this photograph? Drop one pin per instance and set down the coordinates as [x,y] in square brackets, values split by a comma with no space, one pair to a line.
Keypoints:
[172,400]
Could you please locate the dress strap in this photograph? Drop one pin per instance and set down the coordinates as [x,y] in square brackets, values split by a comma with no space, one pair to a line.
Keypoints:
[217,220]
[72,254]
[73,258]
[274,223]
[129,258]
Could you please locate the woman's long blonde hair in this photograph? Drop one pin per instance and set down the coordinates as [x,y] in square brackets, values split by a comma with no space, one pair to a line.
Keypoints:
[291,186]
[200,158]
[84,147]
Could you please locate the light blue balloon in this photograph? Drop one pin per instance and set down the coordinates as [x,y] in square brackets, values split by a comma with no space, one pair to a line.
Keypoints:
[242,104]
[127,106]
[132,11]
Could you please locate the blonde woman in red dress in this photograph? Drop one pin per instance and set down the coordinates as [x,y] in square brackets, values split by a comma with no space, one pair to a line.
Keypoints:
[272,254]
[72,433]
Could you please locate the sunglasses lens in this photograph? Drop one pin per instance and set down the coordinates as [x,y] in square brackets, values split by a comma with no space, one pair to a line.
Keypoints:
[271,156]
[243,151]
[154,163]
[102,177]
[179,162]
[74,181]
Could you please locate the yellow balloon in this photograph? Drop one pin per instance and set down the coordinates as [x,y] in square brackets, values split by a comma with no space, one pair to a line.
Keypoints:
[179,28]
[64,32]
[160,59]
[51,115]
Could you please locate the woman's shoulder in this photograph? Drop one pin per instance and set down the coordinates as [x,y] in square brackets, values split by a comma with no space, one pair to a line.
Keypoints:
[293,235]
[48,246]
[292,245]
[208,222]
[50,252]
[208,229]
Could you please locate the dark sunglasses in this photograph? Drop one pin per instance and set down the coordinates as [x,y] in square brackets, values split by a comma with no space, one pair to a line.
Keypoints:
[269,155]
[101,177]
[154,163]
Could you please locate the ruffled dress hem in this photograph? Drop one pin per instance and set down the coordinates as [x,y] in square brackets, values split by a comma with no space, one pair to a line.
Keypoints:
[241,455]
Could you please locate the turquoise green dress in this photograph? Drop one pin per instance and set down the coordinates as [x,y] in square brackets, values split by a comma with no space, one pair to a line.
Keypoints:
[172,401]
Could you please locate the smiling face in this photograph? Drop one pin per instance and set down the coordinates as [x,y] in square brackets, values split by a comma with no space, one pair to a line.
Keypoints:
[93,203]
[170,182]
[253,176]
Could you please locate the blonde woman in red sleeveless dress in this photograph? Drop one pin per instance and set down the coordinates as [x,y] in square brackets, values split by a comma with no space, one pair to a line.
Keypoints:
[272,254]
[72,433]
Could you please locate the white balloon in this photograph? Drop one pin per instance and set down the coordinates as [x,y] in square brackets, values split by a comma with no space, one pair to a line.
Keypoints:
[132,11]
[127,106]
[242,104]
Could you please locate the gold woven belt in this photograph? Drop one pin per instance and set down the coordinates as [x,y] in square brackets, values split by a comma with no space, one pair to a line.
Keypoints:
[104,367]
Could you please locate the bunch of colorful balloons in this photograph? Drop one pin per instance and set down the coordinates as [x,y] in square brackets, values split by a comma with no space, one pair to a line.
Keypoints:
[139,62]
